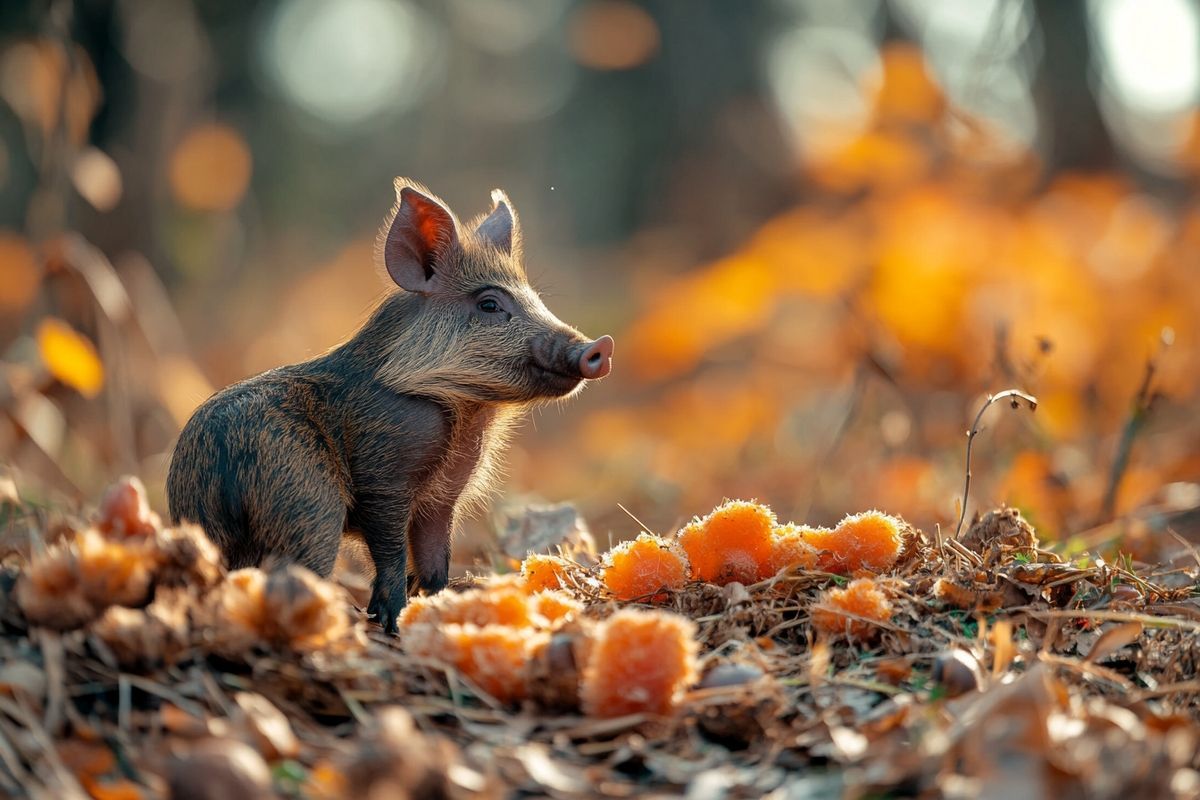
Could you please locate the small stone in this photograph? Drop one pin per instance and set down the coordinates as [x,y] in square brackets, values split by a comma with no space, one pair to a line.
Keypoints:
[724,675]
[957,672]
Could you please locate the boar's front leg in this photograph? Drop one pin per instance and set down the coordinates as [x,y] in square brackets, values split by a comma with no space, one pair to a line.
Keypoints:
[429,539]
[434,514]
[398,441]
[383,523]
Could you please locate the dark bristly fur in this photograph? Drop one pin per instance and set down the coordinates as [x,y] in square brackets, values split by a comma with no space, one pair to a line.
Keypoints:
[395,434]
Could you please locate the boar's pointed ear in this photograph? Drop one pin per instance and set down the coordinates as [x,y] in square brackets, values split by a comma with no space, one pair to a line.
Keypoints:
[501,228]
[417,239]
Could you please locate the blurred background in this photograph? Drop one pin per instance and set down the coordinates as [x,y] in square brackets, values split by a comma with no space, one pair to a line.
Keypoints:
[821,233]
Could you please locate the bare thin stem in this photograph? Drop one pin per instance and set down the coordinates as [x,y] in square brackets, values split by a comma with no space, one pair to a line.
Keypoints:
[1139,413]
[1014,397]
[635,519]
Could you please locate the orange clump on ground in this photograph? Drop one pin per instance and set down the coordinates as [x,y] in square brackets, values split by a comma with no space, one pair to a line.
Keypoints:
[733,543]
[124,509]
[487,606]
[553,606]
[644,566]
[790,547]
[305,611]
[640,661]
[863,599]
[113,571]
[50,593]
[493,657]
[419,611]
[543,572]
[289,607]
[233,612]
[867,541]
[488,633]
[499,602]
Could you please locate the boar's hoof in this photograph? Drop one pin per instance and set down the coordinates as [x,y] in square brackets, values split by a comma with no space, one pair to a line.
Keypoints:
[386,604]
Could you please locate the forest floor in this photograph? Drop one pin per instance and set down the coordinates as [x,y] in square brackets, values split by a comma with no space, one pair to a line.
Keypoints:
[132,665]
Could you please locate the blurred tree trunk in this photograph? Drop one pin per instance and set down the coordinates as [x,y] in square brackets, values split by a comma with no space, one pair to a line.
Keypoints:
[1076,134]
[691,126]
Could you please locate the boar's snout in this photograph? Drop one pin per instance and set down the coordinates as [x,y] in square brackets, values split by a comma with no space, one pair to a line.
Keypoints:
[563,360]
[595,358]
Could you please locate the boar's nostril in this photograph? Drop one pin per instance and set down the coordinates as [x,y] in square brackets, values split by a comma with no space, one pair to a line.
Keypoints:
[596,359]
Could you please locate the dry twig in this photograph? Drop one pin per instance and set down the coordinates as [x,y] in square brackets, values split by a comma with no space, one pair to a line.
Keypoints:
[1014,396]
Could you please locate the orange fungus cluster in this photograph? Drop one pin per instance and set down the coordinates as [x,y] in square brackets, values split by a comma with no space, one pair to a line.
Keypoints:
[733,543]
[868,541]
[489,633]
[640,661]
[853,610]
[644,567]
[543,572]
[151,592]
[791,546]
[501,637]
[741,541]
[119,561]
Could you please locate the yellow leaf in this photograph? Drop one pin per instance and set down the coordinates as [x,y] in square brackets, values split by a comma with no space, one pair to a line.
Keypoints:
[70,357]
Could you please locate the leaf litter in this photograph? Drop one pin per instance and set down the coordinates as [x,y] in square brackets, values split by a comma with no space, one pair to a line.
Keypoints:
[132,665]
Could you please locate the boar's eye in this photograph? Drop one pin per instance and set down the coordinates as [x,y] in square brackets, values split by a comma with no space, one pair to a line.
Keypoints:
[488,306]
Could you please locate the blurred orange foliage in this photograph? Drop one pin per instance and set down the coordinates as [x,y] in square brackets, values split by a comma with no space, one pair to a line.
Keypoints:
[928,266]
[47,85]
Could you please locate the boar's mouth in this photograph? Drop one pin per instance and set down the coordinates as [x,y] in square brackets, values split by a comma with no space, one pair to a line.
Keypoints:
[555,381]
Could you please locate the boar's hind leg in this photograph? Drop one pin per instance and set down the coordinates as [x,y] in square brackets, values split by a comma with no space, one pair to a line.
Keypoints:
[299,516]
[384,524]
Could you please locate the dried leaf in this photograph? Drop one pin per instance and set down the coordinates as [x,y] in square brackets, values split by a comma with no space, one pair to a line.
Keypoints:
[1114,639]
[1005,648]
[271,728]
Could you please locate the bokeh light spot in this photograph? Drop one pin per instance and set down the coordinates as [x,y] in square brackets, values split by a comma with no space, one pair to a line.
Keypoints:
[352,60]
[818,77]
[612,35]
[19,273]
[97,178]
[1151,51]
[210,169]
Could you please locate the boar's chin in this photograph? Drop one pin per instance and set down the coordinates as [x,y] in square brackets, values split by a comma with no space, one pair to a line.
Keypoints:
[550,383]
